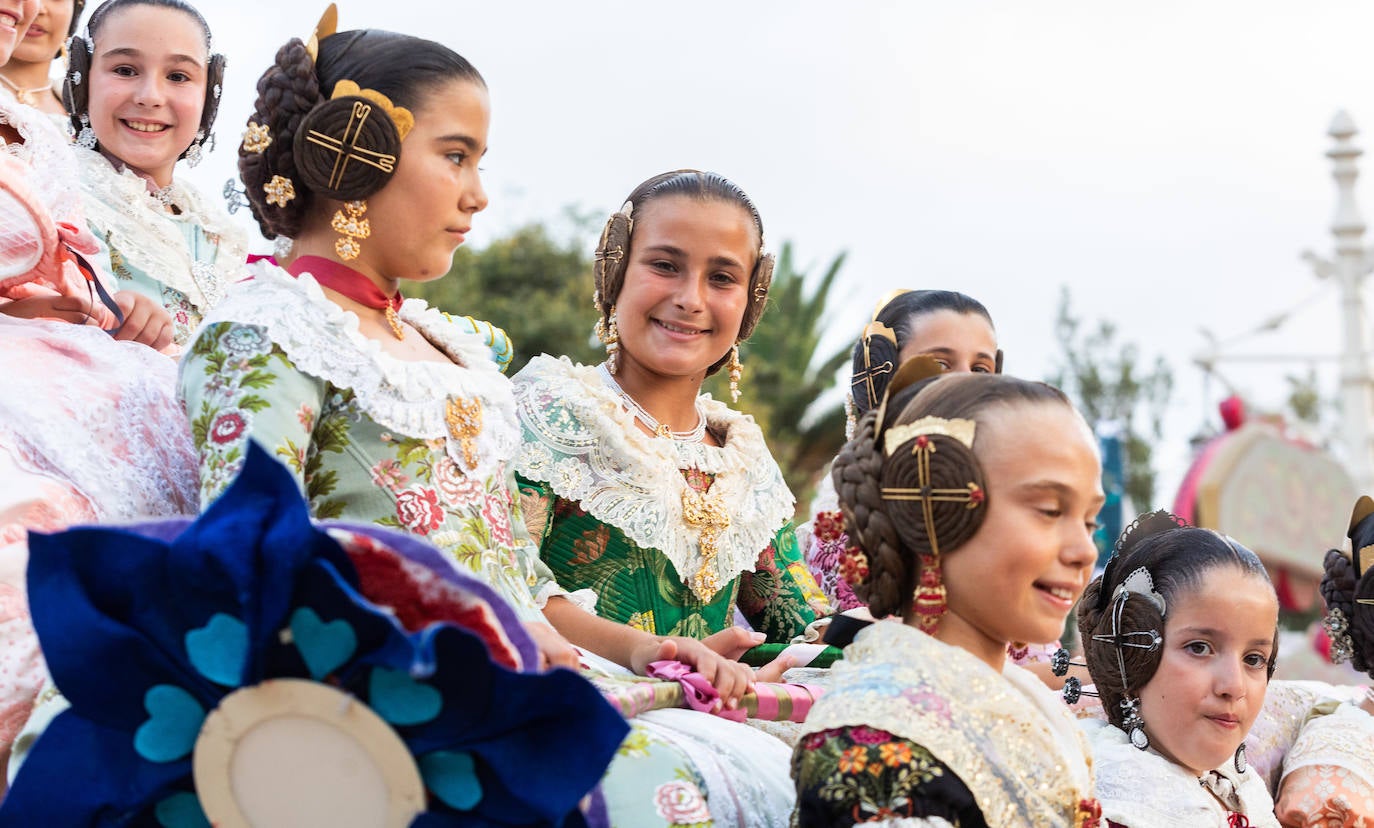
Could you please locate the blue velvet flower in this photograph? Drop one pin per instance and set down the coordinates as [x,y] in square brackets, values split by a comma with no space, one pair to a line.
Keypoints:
[147,628]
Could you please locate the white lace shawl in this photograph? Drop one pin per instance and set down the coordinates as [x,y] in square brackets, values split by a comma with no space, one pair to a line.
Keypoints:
[586,447]
[1142,789]
[130,220]
[49,152]
[1343,738]
[322,339]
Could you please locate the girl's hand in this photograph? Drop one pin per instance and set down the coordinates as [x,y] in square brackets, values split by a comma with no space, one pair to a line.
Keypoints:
[731,642]
[554,649]
[73,309]
[730,678]
[145,321]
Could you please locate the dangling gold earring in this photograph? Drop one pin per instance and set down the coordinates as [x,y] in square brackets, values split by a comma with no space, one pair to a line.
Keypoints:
[609,333]
[736,371]
[352,227]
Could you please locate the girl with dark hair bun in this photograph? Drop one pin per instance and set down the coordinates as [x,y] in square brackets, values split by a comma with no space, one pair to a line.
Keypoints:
[143,92]
[971,501]
[948,326]
[361,157]
[27,72]
[1180,634]
[1328,773]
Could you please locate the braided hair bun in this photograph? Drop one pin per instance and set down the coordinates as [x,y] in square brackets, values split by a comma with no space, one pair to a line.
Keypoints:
[287,92]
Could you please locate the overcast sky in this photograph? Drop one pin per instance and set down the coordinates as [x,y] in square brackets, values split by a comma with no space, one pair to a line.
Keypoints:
[1163,160]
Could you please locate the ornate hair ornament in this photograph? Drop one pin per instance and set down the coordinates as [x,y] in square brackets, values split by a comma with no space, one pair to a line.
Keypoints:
[257,137]
[874,328]
[958,429]
[403,119]
[1138,583]
[328,25]
[1150,523]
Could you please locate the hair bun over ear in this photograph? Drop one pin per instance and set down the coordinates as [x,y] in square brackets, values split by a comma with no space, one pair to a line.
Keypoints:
[347,148]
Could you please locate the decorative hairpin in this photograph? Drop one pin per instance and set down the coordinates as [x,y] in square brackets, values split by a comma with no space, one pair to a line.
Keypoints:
[233,197]
[328,25]
[257,137]
[400,116]
[961,430]
[279,190]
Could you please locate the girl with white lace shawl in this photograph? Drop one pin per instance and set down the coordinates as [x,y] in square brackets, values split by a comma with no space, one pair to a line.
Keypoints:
[1180,635]
[142,92]
[971,499]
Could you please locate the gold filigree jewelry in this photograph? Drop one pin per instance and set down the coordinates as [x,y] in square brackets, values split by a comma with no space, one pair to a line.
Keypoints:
[257,137]
[328,25]
[705,512]
[464,418]
[279,190]
[929,601]
[400,116]
[345,147]
[961,430]
[352,226]
[609,333]
[866,377]
[736,372]
[394,321]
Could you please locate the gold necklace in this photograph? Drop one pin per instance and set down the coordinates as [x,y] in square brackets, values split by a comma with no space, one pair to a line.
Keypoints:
[25,96]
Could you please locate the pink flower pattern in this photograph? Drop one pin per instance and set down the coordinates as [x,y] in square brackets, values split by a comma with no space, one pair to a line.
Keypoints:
[681,803]
[418,510]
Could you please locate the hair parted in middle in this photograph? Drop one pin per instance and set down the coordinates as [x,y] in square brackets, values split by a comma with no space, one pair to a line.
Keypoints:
[1177,557]
[76,85]
[893,533]
[614,248]
[304,93]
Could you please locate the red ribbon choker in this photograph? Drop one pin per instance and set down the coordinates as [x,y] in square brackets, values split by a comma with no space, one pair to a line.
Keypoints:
[345,280]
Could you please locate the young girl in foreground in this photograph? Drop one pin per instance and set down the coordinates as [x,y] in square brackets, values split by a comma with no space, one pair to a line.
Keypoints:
[1181,636]
[972,499]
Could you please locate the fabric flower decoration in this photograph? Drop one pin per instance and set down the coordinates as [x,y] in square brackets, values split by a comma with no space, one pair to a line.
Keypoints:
[160,634]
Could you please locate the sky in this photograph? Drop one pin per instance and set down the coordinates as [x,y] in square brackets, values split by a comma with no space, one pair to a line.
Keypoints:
[1164,160]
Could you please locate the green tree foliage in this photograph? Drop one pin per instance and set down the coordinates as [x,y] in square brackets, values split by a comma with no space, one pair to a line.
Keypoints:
[785,376]
[538,288]
[1107,382]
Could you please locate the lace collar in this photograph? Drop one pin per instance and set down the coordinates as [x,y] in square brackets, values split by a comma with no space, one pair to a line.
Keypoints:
[132,222]
[426,400]
[1010,740]
[581,442]
[49,152]
[1143,789]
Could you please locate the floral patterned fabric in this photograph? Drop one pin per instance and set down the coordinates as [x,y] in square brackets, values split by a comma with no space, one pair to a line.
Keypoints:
[183,260]
[607,503]
[1328,777]
[640,587]
[853,775]
[374,439]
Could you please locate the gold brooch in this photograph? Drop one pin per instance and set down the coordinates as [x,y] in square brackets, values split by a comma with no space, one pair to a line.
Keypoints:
[279,190]
[257,137]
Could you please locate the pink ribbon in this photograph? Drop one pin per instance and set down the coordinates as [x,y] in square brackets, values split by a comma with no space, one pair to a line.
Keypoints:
[697,691]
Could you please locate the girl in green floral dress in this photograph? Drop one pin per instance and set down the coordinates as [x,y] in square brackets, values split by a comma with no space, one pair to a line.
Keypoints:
[362,152]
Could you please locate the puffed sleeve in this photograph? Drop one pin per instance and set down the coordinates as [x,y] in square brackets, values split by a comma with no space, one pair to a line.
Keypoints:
[236,385]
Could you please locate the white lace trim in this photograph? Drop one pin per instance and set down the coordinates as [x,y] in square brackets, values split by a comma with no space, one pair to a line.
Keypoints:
[1142,789]
[322,339]
[1339,739]
[132,222]
[584,599]
[586,447]
[49,152]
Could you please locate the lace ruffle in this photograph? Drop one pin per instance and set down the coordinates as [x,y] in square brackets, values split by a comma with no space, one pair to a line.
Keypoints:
[48,151]
[132,222]
[412,398]
[1142,789]
[586,447]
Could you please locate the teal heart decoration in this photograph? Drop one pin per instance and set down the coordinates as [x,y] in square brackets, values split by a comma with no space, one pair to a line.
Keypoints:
[218,649]
[402,700]
[174,720]
[325,647]
[452,776]
[181,810]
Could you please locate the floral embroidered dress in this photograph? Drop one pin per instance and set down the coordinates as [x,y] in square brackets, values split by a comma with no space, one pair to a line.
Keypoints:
[417,446]
[427,448]
[90,428]
[1142,789]
[917,733]
[670,534]
[183,254]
